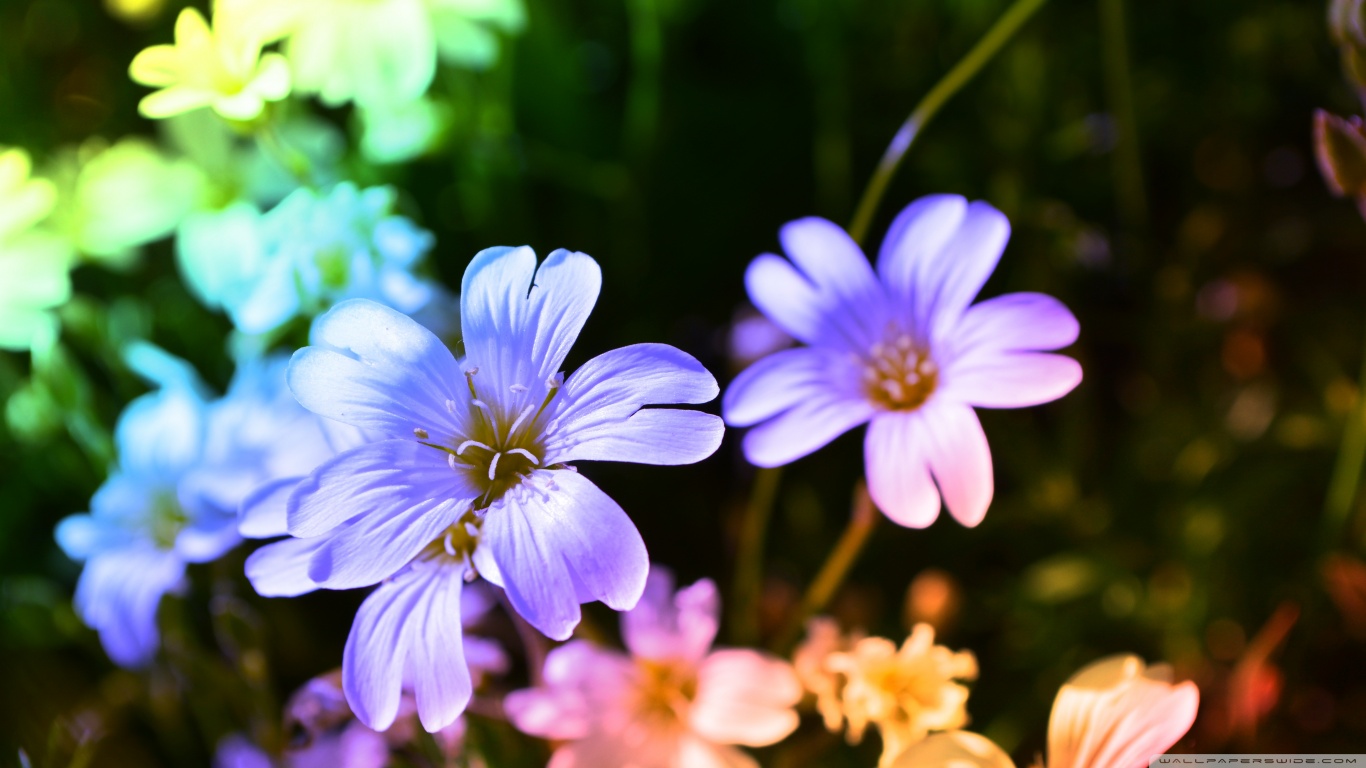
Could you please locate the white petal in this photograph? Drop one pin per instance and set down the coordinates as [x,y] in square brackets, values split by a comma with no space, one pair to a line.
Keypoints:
[281,569]
[804,428]
[960,459]
[776,383]
[837,267]
[652,436]
[1015,322]
[1010,380]
[916,236]
[788,299]
[895,456]
[947,283]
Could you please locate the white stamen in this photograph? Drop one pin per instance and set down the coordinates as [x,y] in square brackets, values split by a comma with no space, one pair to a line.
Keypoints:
[517,389]
[420,432]
[450,460]
[520,417]
[493,465]
[450,548]
[471,529]
[535,462]
[470,576]
[472,371]
[483,406]
[450,407]
[460,449]
[555,381]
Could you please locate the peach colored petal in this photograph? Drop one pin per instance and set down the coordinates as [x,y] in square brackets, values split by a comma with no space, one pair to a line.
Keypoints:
[745,697]
[954,749]
[1117,713]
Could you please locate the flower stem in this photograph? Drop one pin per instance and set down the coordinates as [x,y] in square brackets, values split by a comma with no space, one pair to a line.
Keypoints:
[749,557]
[996,37]
[836,567]
[1346,478]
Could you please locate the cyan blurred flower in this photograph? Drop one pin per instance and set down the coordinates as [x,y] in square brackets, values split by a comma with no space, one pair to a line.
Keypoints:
[478,481]
[401,132]
[1113,713]
[114,199]
[673,701]
[902,349]
[185,463]
[222,67]
[309,252]
[34,264]
[379,53]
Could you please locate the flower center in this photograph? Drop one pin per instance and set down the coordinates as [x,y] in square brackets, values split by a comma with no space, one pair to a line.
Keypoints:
[167,519]
[665,690]
[899,375]
[503,444]
[456,545]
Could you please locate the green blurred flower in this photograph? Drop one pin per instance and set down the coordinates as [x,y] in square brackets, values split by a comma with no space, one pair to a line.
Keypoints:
[34,264]
[378,53]
[221,68]
[402,132]
[114,199]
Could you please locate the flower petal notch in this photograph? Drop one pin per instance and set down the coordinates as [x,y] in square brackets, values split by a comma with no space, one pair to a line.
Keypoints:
[903,349]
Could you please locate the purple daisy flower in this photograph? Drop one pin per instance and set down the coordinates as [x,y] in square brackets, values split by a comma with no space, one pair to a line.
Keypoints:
[472,469]
[903,349]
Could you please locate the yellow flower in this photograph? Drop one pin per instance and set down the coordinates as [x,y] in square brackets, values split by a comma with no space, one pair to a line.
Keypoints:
[24,201]
[906,693]
[34,265]
[221,68]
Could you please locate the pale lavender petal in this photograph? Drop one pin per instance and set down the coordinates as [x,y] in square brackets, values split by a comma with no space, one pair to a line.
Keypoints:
[436,668]
[1015,322]
[375,480]
[375,368]
[665,625]
[838,268]
[652,436]
[495,317]
[616,384]
[809,425]
[161,433]
[947,283]
[778,382]
[376,650]
[916,235]
[895,456]
[374,547]
[264,513]
[567,287]
[569,533]
[787,298]
[281,569]
[1010,380]
[83,536]
[118,595]
[960,459]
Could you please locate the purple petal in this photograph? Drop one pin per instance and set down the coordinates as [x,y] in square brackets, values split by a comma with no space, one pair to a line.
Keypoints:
[947,283]
[567,287]
[894,454]
[118,595]
[665,625]
[960,460]
[616,384]
[207,537]
[558,547]
[1010,380]
[837,267]
[375,480]
[375,368]
[436,668]
[809,425]
[787,298]
[776,383]
[916,235]
[652,436]
[84,536]
[375,547]
[1015,322]
[281,569]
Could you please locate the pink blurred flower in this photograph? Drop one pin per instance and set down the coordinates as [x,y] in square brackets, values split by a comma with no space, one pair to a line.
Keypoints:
[902,349]
[1114,713]
[672,701]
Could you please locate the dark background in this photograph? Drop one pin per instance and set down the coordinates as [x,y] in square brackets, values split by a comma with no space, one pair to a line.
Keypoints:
[1167,507]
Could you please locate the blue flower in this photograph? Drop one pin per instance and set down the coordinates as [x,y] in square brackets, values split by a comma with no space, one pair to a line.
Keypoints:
[185,465]
[309,252]
[902,349]
[473,472]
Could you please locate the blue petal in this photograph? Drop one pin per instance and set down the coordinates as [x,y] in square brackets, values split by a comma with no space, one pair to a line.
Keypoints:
[264,513]
[376,368]
[652,436]
[281,569]
[804,428]
[118,594]
[563,543]
[161,433]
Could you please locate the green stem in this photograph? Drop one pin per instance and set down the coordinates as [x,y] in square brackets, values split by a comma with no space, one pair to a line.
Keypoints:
[1133,204]
[1342,488]
[642,100]
[835,569]
[996,37]
[749,558]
